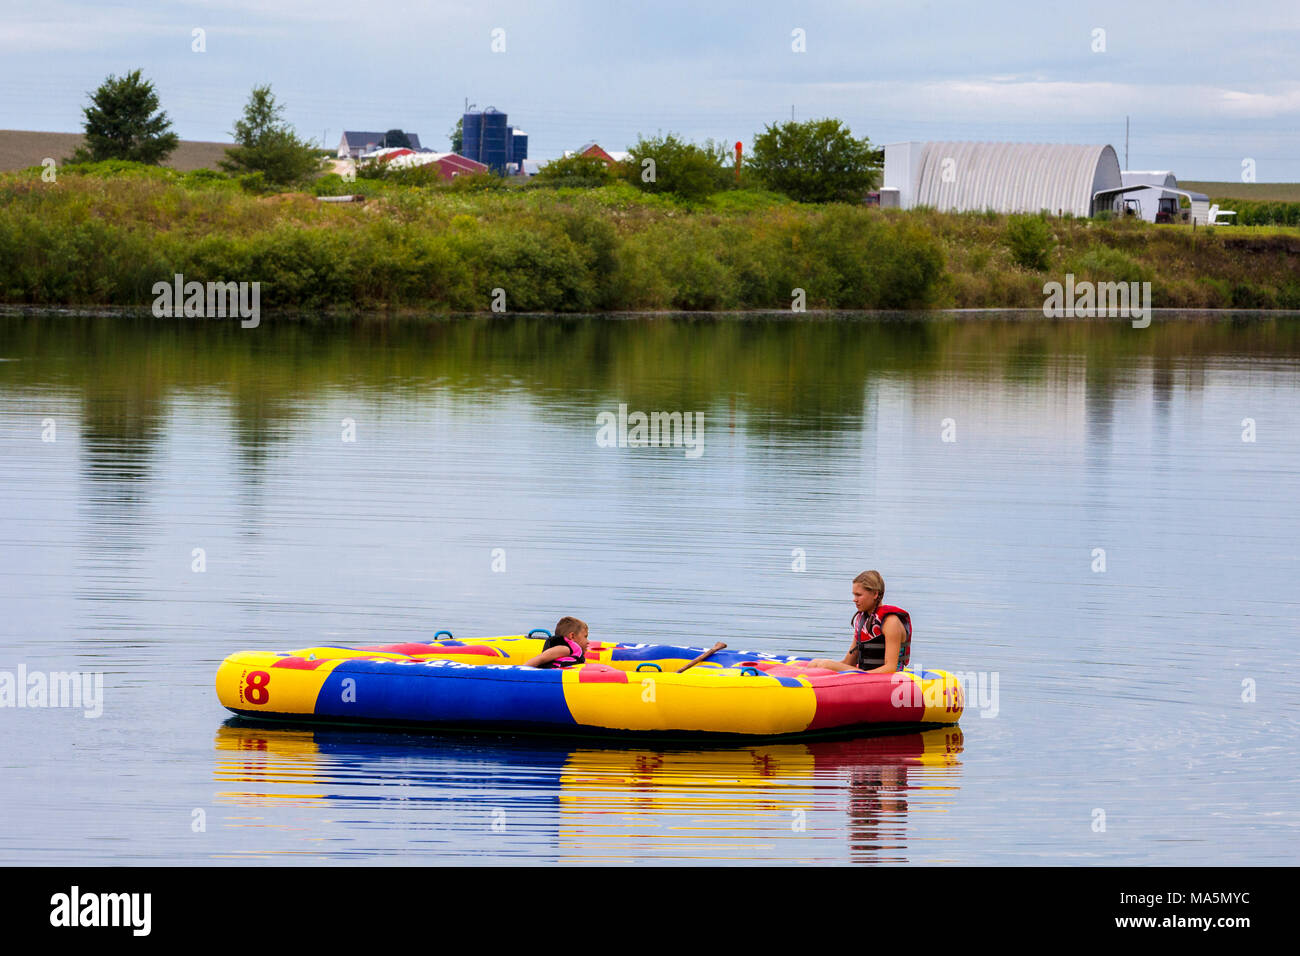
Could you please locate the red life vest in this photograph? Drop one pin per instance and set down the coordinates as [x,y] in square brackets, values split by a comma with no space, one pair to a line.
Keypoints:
[869,637]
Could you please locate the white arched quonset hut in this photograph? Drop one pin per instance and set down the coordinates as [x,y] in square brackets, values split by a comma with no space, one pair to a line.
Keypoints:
[1002,177]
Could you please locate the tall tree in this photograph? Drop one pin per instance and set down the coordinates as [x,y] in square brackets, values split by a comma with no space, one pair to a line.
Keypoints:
[269,145]
[121,123]
[666,164]
[815,161]
[458,135]
[395,137]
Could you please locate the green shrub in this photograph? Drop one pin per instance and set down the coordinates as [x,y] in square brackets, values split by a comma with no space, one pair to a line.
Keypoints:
[56,260]
[747,200]
[851,258]
[1248,296]
[1219,292]
[332,184]
[1110,265]
[305,268]
[697,278]
[207,179]
[666,164]
[817,161]
[586,172]
[623,195]
[597,243]
[911,269]
[1288,296]
[253,182]
[114,168]
[474,183]
[1030,240]
[540,271]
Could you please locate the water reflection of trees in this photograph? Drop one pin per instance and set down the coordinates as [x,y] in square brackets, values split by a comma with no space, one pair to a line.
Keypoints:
[784,377]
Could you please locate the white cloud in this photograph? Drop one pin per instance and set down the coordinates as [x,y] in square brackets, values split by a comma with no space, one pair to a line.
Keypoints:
[1260,105]
[1004,97]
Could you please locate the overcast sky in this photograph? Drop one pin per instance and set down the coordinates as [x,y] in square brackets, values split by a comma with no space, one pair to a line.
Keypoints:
[1206,84]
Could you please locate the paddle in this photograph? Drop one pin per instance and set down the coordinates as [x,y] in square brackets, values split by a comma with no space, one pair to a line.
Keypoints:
[703,657]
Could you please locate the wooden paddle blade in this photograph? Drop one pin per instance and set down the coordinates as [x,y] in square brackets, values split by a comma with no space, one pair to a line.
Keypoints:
[703,657]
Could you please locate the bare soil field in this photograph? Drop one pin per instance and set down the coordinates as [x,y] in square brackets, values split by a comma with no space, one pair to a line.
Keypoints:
[22,148]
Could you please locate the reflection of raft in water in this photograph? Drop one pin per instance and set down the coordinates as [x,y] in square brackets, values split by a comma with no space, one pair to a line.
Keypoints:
[590,800]
[624,689]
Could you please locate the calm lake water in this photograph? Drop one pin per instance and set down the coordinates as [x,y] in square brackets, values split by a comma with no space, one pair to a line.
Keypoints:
[1100,522]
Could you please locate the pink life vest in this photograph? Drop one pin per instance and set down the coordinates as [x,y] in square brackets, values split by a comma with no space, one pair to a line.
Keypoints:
[574,657]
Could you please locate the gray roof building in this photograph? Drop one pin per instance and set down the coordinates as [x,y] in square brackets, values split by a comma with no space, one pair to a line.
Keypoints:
[354,143]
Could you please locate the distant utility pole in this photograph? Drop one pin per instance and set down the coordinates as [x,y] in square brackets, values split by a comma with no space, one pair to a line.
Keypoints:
[1126,142]
[791,112]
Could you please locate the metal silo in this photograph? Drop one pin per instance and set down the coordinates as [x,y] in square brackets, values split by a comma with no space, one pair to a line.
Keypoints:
[492,139]
[518,146]
[471,127]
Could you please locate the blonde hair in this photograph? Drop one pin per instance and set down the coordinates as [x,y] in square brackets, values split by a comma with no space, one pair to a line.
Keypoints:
[569,625]
[872,581]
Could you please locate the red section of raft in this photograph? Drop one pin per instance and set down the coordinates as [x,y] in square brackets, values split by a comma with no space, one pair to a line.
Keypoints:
[853,697]
[426,649]
[300,663]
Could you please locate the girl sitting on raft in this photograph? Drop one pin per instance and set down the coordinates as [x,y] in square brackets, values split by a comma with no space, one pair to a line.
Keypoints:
[882,633]
[567,648]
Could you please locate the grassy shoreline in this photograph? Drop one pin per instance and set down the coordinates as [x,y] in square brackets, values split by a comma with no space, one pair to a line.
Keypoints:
[105,240]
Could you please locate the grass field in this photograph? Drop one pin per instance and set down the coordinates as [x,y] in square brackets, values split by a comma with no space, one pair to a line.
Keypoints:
[21,148]
[1268,192]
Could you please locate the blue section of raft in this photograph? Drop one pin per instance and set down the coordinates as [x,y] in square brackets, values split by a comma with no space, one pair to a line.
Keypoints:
[389,690]
[723,658]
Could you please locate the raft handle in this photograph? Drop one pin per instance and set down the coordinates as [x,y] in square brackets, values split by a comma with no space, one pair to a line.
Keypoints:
[750,672]
[448,633]
[642,666]
[539,630]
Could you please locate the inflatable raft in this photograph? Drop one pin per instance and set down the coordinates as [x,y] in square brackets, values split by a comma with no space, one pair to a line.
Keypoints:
[622,690]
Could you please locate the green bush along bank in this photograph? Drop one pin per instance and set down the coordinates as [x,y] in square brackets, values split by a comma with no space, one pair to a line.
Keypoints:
[105,233]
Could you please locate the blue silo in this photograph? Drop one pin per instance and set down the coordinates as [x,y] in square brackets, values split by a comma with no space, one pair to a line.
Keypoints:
[492,140]
[471,126]
[518,145]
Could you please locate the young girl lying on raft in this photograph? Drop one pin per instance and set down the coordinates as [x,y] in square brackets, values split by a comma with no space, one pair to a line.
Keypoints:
[567,648]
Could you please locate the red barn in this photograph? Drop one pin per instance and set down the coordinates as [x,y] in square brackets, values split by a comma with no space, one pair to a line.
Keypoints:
[450,165]
[591,149]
